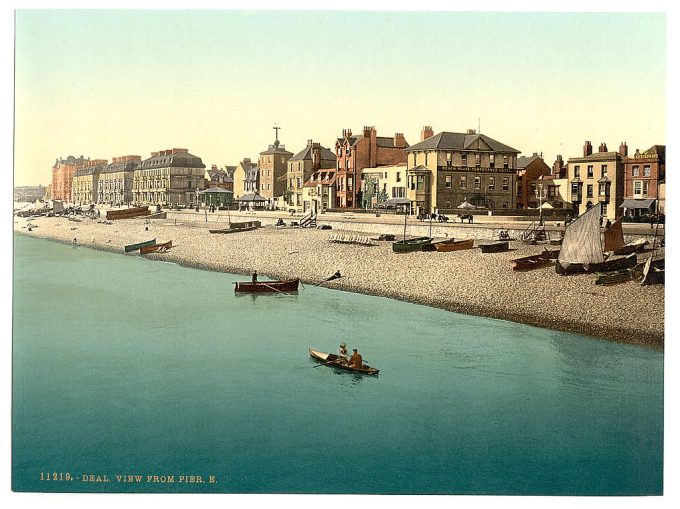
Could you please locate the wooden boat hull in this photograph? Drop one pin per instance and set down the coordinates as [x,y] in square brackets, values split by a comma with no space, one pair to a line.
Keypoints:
[330,359]
[127,213]
[610,265]
[531,262]
[447,246]
[654,272]
[495,247]
[139,245]
[615,277]
[233,230]
[290,285]
[411,245]
[633,247]
[155,248]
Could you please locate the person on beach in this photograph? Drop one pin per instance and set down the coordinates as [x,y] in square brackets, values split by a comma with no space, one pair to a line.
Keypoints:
[355,361]
[254,277]
[337,275]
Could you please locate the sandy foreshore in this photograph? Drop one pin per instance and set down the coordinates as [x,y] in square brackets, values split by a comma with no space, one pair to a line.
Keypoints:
[464,281]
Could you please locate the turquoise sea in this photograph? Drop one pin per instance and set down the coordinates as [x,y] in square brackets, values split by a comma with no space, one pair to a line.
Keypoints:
[124,366]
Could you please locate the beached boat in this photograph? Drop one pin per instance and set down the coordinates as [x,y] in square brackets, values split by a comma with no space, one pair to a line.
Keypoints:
[411,245]
[613,277]
[449,245]
[290,285]
[128,213]
[156,248]
[654,271]
[330,359]
[138,245]
[532,262]
[239,227]
[582,248]
[613,241]
[495,247]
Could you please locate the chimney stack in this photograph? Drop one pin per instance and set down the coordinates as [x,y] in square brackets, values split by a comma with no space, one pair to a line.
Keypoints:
[246,160]
[558,167]
[603,147]
[587,149]
[399,140]
[426,132]
[471,131]
[346,133]
[155,154]
[369,131]
[623,149]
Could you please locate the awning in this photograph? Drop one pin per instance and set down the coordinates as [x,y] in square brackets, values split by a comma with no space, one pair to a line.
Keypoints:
[636,204]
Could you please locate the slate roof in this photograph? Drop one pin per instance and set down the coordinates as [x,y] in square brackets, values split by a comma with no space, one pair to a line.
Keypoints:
[327,178]
[459,142]
[122,166]
[306,154]
[89,170]
[524,161]
[381,141]
[178,160]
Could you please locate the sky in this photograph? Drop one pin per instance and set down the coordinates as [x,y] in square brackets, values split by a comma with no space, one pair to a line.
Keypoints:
[106,83]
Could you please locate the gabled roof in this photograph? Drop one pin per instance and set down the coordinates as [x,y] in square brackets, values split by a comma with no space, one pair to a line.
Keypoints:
[524,161]
[381,141]
[306,154]
[461,142]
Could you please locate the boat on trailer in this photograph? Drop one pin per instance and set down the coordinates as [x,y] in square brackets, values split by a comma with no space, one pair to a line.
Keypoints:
[334,361]
[289,285]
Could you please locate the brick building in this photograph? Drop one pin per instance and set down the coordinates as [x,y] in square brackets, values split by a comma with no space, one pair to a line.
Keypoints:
[273,164]
[597,179]
[645,172]
[62,176]
[218,177]
[312,158]
[448,168]
[355,153]
[529,169]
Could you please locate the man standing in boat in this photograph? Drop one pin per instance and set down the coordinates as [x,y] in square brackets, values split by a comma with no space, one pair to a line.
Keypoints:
[356,361]
[343,353]
[254,277]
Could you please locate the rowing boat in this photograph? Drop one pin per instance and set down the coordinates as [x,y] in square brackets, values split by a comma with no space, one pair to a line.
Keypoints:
[332,360]
[446,246]
[536,261]
[138,245]
[290,285]
[495,247]
[411,245]
[156,248]
[127,213]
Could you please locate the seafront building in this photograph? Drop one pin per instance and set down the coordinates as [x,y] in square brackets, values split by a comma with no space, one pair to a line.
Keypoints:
[645,176]
[301,166]
[319,191]
[169,177]
[116,180]
[449,168]
[246,178]
[85,182]
[62,176]
[597,179]
[273,164]
[529,169]
[382,183]
[218,177]
[30,193]
[355,153]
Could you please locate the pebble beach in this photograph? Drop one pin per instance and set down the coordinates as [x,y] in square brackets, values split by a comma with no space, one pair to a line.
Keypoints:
[466,281]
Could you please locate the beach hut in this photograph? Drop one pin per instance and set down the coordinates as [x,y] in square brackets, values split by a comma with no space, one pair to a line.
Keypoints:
[251,200]
[217,196]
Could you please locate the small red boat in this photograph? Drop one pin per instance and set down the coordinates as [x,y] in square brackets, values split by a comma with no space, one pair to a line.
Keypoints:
[156,248]
[290,285]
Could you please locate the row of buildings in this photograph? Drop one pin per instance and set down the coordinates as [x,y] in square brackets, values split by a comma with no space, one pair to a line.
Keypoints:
[439,173]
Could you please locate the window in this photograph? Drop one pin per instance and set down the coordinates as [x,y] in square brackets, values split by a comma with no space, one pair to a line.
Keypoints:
[425,158]
[464,159]
[603,171]
[590,171]
[478,159]
[637,187]
[398,176]
[603,209]
[492,160]
[506,183]
[449,158]
[646,171]
[449,180]
[645,187]
[505,162]
[463,182]
[602,189]
[552,191]
[421,183]
[448,204]
[574,189]
[589,192]
[478,182]
[636,171]
[577,171]
[491,184]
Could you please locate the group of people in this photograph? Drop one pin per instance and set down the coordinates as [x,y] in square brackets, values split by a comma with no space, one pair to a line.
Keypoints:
[441,218]
[355,361]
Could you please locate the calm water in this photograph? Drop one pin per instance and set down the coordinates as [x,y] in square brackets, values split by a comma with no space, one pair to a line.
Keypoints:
[125,366]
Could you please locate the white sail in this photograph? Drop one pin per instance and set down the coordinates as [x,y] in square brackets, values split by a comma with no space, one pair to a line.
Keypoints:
[581,243]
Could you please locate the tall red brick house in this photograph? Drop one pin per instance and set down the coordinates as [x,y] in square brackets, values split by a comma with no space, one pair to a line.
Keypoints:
[644,174]
[366,150]
[62,176]
[529,169]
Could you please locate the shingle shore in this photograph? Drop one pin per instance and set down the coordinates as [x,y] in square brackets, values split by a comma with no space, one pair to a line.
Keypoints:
[467,281]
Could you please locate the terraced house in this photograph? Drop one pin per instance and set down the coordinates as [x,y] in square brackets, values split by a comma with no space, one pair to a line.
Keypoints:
[169,177]
[116,180]
[448,168]
[85,182]
[246,178]
[301,166]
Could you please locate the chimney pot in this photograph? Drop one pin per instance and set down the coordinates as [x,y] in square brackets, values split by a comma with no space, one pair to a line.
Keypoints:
[426,132]
[587,149]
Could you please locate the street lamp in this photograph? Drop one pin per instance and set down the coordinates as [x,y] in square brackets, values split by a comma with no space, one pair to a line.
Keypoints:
[540,196]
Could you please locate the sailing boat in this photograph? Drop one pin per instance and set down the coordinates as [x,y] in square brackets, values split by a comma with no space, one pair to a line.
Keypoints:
[613,240]
[411,245]
[581,249]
